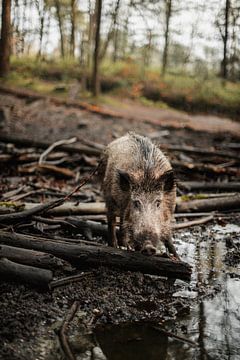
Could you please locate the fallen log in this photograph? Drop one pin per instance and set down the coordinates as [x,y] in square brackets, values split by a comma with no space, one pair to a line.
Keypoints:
[206,168]
[34,258]
[201,151]
[85,256]
[99,208]
[29,211]
[26,93]
[230,203]
[68,208]
[199,185]
[14,272]
[93,228]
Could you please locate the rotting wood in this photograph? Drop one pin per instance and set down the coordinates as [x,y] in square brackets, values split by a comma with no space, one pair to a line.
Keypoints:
[34,258]
[85,256]
[14,272]
[63,331]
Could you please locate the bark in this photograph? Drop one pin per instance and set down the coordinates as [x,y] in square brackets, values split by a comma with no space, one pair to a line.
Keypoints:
[168,14]
[86,256]
[95,74]
[14,272]
[33,258]
[5,38]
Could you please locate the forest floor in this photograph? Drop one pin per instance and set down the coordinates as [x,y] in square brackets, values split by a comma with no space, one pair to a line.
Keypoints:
[31,320]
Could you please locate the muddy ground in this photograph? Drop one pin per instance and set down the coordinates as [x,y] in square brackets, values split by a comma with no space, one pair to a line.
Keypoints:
[31,320]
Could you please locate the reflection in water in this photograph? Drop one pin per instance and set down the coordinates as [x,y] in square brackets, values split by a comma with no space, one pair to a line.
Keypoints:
[216,320]
[132,341]
[214,323]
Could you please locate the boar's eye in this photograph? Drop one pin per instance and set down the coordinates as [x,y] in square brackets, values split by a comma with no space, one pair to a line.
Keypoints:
[136,204]
[158,203]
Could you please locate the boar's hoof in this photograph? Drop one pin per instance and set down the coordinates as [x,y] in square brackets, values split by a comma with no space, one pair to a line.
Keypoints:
[149,250]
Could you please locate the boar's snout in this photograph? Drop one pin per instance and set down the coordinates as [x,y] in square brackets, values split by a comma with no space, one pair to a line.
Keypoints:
[149,250]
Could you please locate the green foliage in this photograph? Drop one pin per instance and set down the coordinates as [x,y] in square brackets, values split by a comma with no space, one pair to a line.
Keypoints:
[125,79]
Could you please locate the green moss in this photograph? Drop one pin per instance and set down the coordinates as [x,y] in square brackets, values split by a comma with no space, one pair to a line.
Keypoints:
[13,205]
[194,197]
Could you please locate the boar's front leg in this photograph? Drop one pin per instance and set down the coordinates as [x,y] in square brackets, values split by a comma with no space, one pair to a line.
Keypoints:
[171,247]
[112,237]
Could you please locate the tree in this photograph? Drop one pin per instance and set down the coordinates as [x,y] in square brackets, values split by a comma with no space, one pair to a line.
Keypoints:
[73,27]
[60,25]
[5,38]
[95,74]
[168,14]
[41,7]
[225,41]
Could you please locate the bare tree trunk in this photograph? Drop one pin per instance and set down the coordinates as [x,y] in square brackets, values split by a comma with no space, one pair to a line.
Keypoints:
[115,45]
[168,13]
[60,25]
[111,30]
[41,14]
[225,41]
[73,27]
[95,75]
[90,35]
[5,38]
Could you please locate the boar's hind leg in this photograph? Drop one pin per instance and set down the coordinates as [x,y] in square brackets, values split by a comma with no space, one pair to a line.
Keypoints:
[112,238]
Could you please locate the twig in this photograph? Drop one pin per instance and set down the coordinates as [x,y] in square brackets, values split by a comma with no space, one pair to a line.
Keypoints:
[10,218]
[53,221]
[177,337]
[68,280]
[193,222]
[53,146]
[62,333]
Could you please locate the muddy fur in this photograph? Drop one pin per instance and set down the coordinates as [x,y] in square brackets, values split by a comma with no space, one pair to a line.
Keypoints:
[139,186]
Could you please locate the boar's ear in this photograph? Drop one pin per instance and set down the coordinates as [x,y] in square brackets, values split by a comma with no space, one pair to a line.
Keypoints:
[169,181]
[124,180]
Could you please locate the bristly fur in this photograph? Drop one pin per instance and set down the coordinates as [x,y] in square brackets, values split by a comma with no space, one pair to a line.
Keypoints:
[136,171]
[150,163]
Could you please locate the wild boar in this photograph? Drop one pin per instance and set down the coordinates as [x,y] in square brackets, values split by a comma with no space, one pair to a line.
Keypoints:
[139,187]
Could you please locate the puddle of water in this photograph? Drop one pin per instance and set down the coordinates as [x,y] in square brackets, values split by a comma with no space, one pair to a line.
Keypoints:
[132,341]
[213,323]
